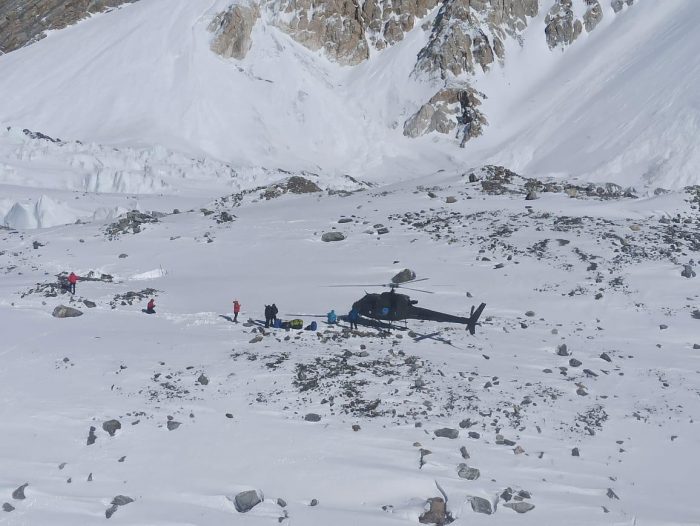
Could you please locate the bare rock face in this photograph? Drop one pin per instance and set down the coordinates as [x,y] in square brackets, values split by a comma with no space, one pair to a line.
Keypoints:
[232,30]
[593,15]
[23,22]
[562,27]
[386,22]
[618,5]
[336,26]
[447,109]
[469,34]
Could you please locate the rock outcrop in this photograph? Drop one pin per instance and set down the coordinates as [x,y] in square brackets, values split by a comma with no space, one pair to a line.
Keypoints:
[445,111]
[335,26]
[232,30]
[23,22]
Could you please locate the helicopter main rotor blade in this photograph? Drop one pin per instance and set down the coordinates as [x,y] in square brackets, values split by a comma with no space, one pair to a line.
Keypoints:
[355,285]
[419,290]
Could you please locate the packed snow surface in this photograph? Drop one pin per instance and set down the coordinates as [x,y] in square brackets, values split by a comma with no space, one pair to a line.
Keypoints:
[209,408]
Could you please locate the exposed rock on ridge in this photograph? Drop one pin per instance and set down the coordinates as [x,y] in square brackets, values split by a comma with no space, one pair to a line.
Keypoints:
[232,30]
[23,22]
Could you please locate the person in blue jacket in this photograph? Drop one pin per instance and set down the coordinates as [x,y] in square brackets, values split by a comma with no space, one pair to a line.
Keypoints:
[332,317]
[353,316]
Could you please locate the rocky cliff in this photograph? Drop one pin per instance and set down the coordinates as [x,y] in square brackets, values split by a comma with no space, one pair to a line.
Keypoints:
[25,21]
[465,38]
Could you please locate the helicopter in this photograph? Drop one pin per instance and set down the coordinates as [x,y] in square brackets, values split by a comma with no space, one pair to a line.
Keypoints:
[392,306]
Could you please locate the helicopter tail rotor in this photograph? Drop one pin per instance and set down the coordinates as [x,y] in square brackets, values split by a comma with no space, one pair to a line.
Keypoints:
[474,318]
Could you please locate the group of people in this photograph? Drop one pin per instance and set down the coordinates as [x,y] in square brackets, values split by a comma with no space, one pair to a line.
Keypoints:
[271,311]
[353,317]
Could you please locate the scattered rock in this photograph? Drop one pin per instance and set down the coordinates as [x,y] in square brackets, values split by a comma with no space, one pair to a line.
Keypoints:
[530,314]
[18,494]
[663,326]
[121,500]
[173,425]
[203,379]
[531,196]
[575,452]
[257,339]
[696,346]
[111,426]
[66,312]
[481,505]
[332,236]
[405,275]
[247,500]
[606,357]
[89,304]
[474,434]
[91,436]
[314,502]
[463,451]
[447,432]
[612,495]
[520,507]
[562,350]
[111,510]
[123,256]
[465,472]
[688,272]
[355,427]
[312,417]
[451,199]
[436,514]
[573,362]
[8,507]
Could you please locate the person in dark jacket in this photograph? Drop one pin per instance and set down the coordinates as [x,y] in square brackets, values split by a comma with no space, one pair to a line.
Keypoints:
[236,310]
[151,307]
[274,312]
[268,316]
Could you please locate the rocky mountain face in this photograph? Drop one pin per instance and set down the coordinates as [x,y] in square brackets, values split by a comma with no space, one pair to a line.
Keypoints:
[25,21]
[466,38]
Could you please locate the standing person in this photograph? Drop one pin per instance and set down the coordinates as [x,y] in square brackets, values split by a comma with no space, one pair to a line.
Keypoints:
[151,307]
[353,316]
[72,280]
[274,312]
[332,317]
[236,310]
[268,316]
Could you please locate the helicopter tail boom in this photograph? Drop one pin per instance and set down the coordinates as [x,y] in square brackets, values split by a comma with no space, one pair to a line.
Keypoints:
[431,315]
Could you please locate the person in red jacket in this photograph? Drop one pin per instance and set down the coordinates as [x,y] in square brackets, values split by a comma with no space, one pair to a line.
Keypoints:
[151,307]
[72,280]
[236,310]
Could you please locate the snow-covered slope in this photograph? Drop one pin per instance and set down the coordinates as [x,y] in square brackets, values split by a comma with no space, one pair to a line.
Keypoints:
[617,104]
[602,431]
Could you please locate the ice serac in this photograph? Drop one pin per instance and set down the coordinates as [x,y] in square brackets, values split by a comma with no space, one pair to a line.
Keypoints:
[25,21]
[232,30]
